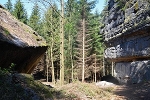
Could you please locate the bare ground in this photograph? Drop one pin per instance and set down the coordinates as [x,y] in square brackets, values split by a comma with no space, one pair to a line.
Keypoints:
[139,91]
[89,91]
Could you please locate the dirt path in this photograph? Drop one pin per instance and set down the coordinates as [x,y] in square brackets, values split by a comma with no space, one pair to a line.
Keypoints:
[121,92]
[133,92]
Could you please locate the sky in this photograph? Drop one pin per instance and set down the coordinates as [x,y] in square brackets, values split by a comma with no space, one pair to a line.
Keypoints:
[99,5]
[28,6]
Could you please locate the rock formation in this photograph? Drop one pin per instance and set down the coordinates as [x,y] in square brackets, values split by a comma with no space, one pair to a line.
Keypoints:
[127,38]
[19,44]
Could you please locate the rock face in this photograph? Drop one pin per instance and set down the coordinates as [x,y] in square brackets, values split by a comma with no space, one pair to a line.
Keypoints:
[19,44]
[132,72]
[127,37]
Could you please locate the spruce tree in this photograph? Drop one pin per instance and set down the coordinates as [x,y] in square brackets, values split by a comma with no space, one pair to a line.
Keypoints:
[97,42]
[51,34]
[83,40]
[70,31]
[62,66]
[19,12]
[34,20]
[9,6]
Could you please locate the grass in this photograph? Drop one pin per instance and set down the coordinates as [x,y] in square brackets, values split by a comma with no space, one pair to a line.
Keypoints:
[87,91]
[23,87]
[6,31]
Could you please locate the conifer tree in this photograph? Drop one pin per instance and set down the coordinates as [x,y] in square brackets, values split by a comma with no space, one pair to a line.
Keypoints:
[19,12]
[62,66]
[51,34]
[9,6]
[70,31]
[34,20]
[83,46]
[97,41]
[74,42]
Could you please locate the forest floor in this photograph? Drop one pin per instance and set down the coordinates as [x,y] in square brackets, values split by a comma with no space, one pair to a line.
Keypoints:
[90,91]
[17,86]
[83,91]
[139,91]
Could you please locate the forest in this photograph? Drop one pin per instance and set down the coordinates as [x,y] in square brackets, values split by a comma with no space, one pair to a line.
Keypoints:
[72,32]
[89,55]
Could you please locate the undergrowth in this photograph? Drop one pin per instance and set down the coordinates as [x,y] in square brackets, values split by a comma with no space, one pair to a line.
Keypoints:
[87,91]
[16,86]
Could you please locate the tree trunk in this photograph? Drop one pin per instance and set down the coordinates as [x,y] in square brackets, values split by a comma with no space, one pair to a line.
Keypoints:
[51,49]
[47,64]
[72,66]
[112,69]
[95,67]
[103,66]
[62,44]
[52,63]
[83,51]
[70,48]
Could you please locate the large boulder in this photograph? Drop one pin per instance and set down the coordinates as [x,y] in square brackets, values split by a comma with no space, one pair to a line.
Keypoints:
[20,45]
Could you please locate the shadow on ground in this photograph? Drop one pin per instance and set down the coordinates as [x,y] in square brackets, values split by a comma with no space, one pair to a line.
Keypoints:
[110,78]
[139,91]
